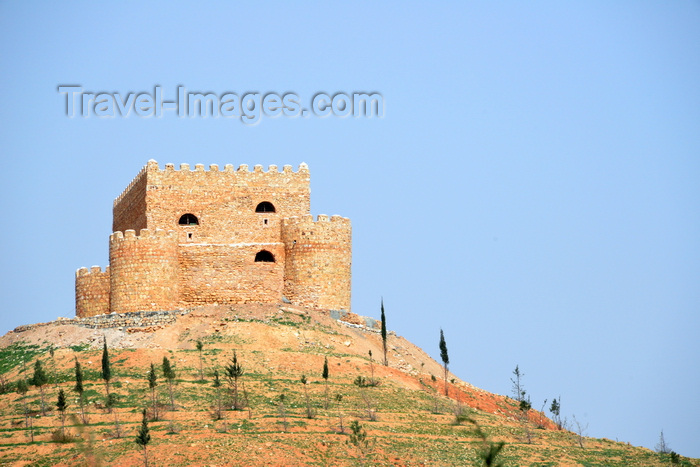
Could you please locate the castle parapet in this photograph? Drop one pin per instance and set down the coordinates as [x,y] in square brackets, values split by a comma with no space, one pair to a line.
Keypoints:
[153,167]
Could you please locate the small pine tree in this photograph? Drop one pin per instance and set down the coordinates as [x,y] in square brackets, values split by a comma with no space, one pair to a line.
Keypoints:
[518,390]
[22,389]
[234,371]
[152,383]
[325,378]
[445,358]
[200,347]
[111,407]
[143,437]
[662,447]
[339,399]
[371,366]
[282,411]
[384,343]
[169,375]
[555,410]
[61,405]
[359,439]
[40,379]
[309,410]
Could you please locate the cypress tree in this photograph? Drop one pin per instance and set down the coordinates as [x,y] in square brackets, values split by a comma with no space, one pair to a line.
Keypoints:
[106,374]
[386,362]
[445,358]
[169,374]
[80,389]
[143,437]
[61,405]
[325,377]
[152,383]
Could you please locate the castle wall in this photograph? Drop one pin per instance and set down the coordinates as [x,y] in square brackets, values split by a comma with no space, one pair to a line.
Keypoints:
[129,210]
[318,261]
[144,271]
[92,291]
[169,265]
[224,201]
[228,273]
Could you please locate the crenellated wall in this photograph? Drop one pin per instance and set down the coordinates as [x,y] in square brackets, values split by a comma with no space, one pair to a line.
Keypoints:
[318,261]
[91,291]
[213,260]
[224,201]
[144,271]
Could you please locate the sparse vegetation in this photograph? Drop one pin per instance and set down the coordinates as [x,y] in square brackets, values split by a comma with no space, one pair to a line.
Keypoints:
[405,432]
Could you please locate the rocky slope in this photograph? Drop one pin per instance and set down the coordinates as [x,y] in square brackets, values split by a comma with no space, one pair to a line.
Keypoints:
[406,418]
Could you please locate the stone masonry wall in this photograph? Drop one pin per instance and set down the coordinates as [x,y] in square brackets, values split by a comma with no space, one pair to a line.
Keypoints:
[129,211]
[318,261]
[144,271]
[224,201]
[91,291]
[168,265]
[227,274]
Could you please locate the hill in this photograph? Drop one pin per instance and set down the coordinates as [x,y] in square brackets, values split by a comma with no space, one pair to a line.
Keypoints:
[401,409]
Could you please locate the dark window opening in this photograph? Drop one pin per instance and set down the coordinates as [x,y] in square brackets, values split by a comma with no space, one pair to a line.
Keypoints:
[188,219]
[265,221]
[189,235]
[265,206]
[264,256]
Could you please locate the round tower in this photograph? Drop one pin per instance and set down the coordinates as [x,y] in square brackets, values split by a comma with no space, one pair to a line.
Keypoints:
[91,291]
[318,259]
[143,271]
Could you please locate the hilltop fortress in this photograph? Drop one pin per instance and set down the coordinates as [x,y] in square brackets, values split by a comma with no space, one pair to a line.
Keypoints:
[197,237]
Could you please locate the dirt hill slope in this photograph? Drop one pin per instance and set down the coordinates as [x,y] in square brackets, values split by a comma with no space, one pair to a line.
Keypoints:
[405,416]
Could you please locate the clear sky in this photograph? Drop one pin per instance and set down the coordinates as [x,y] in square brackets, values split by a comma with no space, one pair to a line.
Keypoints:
[532,188]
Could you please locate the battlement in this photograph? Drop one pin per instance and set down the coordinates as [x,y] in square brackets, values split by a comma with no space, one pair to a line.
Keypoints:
[144,234]
[229,168]
[320,220]
[93,270]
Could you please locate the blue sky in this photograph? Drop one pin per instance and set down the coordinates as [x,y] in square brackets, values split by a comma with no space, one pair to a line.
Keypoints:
[532,187]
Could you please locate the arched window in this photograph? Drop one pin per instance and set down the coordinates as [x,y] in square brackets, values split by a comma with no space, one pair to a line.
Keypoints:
[188,219]
[265,206]
[264,256]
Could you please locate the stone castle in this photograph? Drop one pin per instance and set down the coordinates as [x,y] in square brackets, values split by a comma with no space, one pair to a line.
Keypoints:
[197,237]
